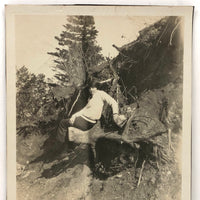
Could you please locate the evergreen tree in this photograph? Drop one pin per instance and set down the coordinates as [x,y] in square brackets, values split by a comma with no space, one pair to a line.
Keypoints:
[34,99]
[79,52]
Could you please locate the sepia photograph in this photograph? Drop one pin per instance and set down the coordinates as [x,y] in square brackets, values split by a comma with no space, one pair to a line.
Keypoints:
[98,102]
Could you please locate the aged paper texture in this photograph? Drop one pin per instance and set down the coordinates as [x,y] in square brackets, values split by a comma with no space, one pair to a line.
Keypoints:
[98,102]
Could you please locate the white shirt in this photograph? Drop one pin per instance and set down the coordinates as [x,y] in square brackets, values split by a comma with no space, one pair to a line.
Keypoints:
[94,107]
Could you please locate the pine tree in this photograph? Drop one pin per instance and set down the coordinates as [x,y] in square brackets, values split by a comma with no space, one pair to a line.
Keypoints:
[79,52]
[34,99]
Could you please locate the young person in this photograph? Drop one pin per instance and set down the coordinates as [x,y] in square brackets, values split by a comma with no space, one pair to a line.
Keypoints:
[87,117]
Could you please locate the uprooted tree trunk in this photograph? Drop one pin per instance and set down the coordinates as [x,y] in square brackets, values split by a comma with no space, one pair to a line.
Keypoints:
[115,86]
[115,92]
[115,89]
[132,139]
[122,138]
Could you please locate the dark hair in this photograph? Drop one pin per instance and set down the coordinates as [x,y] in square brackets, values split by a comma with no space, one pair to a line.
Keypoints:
[95,84]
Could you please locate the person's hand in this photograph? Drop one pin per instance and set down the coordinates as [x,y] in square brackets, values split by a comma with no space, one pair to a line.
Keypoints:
[120,120]
[115,117]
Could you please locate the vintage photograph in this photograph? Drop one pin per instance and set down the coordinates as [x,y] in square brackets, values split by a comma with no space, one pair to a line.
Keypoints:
[98,102]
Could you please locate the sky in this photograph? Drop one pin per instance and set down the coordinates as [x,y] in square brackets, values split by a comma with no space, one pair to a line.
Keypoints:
[35,37]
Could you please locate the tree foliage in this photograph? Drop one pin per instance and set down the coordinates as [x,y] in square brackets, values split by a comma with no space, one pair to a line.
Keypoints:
[34,99]
[78,52]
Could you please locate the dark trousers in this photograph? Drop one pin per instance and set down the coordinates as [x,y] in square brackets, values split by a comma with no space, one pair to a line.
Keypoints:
[80,123]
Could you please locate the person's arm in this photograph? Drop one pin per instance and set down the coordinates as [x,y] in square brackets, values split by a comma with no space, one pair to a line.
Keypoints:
[73,117]
[120,120]
[111,101]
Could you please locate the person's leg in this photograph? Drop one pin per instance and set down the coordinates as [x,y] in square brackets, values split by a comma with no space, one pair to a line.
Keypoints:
[61,146]
[62,136]
[82,124]
[62,131]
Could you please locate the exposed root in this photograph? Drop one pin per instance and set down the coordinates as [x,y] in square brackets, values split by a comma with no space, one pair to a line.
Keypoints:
[141,173]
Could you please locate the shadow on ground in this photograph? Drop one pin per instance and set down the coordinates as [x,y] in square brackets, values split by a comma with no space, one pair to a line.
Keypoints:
[109,158]
[82,154]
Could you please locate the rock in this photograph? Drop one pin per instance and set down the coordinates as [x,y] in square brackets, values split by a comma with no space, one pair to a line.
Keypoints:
[20,169]
[79,185]
[169,173]
[118,175]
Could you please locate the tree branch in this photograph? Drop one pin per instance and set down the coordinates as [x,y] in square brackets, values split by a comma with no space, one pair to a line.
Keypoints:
[119,50]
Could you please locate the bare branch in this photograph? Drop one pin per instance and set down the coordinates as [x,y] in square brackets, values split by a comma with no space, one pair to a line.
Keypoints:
[106,81]
[141,173]
[118,49]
